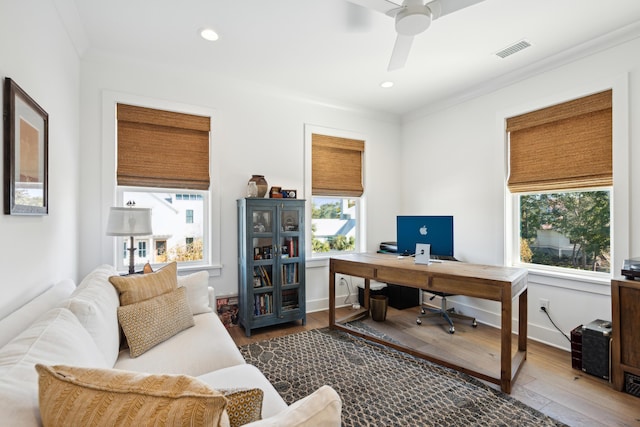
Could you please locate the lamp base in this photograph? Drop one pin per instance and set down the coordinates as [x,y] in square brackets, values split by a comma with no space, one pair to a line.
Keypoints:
[132,249]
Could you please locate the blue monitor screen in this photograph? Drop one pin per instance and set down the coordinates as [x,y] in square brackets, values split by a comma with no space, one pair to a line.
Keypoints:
[434,230]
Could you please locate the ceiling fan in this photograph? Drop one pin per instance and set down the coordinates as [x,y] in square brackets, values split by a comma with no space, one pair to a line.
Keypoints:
[412,18]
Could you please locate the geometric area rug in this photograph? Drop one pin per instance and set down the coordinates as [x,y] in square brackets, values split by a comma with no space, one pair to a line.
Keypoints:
[380,386]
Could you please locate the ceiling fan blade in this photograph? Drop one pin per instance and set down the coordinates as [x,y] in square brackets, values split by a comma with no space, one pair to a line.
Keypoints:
[400,53]
[382,6]
[444,7]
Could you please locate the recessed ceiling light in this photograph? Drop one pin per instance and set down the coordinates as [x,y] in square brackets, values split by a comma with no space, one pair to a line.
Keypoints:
[209,34]
[386,84]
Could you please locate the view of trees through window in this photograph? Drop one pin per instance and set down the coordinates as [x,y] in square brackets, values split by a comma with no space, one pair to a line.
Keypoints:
[333,224]
[569,229]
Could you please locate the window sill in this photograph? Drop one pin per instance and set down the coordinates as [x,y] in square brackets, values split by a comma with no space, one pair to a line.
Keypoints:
[213,270]
[574,281]
[317,262]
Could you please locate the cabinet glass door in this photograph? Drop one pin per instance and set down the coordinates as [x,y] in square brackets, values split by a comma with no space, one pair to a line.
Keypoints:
[289,253]
[262,241]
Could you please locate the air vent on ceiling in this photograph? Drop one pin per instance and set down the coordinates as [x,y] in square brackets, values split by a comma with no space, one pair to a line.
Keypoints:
[516,47]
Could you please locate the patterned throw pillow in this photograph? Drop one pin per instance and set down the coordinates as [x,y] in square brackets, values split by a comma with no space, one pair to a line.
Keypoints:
[150,322]
[244,405]
[71,396]
[139,287]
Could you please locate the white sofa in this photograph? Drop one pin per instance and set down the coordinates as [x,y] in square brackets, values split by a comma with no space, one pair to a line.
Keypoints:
[78,326]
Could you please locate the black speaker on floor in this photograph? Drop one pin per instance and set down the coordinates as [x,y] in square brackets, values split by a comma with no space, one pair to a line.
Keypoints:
[596,339]
[576,348]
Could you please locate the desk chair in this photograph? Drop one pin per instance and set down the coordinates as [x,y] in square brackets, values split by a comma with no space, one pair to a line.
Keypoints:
[426,311]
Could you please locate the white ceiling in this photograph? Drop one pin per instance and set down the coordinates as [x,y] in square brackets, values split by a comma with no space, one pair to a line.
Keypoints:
[316,49]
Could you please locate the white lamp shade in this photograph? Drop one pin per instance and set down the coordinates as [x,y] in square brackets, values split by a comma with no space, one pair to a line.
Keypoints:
[129,222]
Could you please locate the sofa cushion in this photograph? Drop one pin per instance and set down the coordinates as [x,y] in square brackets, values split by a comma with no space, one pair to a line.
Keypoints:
[152,321]
[72,396]
[139,287]
[205,347]
[20,319]
[56,338]
[323,408]
[246,376]
[244,405]
[95,303]
[197,285]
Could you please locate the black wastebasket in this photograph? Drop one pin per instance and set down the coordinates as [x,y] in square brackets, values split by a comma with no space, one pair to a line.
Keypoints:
[378,307]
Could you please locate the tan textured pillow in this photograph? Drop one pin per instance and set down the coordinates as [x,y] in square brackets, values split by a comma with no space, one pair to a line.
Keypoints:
[150,322]
[139,287]
[71,396]
[244,405]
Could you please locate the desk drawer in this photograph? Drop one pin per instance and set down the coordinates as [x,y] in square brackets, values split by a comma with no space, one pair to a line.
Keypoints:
[414,278]
[464,287]
[353,269]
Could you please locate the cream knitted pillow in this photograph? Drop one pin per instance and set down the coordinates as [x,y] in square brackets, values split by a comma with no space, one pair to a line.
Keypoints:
[150,322]
[72,396]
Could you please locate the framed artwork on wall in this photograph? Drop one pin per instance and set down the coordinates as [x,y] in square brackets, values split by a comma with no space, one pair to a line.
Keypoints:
[26,141]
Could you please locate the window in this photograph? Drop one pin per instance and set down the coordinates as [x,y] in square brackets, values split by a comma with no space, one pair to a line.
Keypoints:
[142,250]
[161,251]
[561,177]
[163,164]
[169,228]
[334,224]
[336,193]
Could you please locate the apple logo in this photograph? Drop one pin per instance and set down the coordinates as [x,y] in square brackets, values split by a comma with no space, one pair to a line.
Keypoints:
[423,230]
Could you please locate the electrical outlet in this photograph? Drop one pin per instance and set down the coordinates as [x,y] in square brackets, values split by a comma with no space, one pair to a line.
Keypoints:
[543,303]
[342,281]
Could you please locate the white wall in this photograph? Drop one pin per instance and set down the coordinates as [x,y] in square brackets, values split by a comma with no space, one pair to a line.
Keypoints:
[255,131]
[456,160]
[36,52]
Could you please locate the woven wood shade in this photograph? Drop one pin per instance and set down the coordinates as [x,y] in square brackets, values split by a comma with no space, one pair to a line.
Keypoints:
[162,149]
[563,147]
[336,166]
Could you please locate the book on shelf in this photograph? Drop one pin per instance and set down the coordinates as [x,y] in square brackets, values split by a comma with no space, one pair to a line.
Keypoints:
[290,299]
[263,274]
[289,274]
[263,304]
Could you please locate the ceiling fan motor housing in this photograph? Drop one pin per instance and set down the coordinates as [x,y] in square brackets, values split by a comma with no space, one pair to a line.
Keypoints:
[413,19]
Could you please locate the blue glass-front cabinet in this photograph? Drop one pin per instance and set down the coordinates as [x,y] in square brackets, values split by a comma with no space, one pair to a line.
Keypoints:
[271,262]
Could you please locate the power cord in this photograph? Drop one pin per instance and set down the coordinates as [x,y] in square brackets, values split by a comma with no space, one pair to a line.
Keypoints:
[544,309]
[348,297]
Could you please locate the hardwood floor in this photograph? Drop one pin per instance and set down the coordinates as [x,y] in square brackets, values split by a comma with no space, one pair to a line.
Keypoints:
[546,382]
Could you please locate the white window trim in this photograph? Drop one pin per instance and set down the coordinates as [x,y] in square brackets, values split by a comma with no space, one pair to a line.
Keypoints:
[620,201]
[361,235]
[109,187]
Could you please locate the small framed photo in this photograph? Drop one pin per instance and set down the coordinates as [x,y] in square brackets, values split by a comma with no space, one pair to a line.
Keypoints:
[26,141]
[289,194]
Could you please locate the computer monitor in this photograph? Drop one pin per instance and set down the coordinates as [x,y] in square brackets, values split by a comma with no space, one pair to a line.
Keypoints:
[434,230]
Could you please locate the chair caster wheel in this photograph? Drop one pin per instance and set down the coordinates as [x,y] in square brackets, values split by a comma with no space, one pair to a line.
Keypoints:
[474,324]
[452,330]
[419,322]
[423,311]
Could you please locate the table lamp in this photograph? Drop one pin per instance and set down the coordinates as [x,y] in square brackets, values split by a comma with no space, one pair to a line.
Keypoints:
[129,222]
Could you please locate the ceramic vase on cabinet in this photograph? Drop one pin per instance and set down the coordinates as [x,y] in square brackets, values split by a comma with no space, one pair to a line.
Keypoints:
[252,189]
[261,183]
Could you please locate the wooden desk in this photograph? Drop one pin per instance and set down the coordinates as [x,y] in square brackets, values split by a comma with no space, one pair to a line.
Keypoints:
[501,284]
